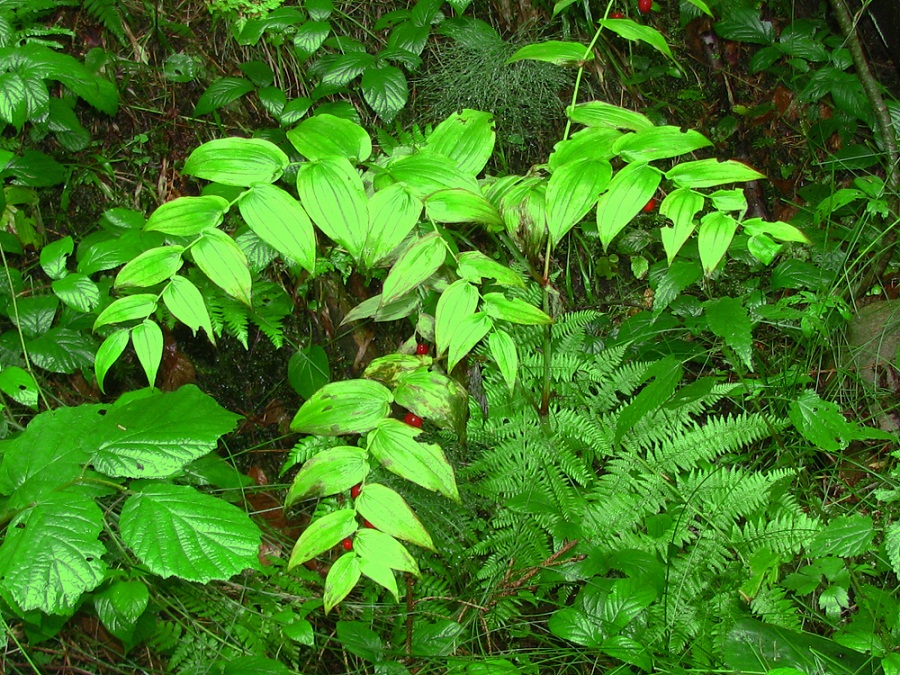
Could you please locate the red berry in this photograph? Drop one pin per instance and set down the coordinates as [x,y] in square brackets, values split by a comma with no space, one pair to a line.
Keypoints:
[421,349]
[616,15]
[644,6]
[413,420]
[347,544]
[649,206]
[355,490]
[366,523]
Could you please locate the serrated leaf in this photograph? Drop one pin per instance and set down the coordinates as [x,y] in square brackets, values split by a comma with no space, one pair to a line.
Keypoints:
[185,301]
[222,92]
[281,222]
[151,267]
[385,89]
[324,136]
[390,513]
[156,437]
[147,339]
[341,69]
[393,213]
[393,444]
[342,577]
[120,605]
[415,265]
[222,260]
[704,173]
[188,216]
[728,319]
[34,315]
[51,553]
[308,370]
[19,385]
[13,100]
[844,537]
[239,162]
[742,24]
[503,349]
[345,407]
[177,531]
[54,255]
[309,37]
[714,237]
[822,424]
[62,350]
[329,472]
[553,51]
[332,193]
[323,534]
[458,301]
[466,137]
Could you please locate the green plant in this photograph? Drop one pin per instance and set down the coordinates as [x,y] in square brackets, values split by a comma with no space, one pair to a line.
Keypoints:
[101,495]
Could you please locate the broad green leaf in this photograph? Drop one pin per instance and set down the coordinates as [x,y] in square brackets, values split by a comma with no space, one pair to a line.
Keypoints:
[388,368]
[308,370]
[120,605]
[129,308]
[730,200]
[376,570]
[704,173]
[424,173]
[415,265]
[636,32]
[742,23]
[345,407]
[390,513]
[177,531]
[222,92]
[62,350]
[54,255]
[514,310]
[680,206]
[467,138]
[648,145]
[151,267]
[13,100]
[845,537]
[461,206]
[393,213]
[629,191]
[78,292]
[441,400]
[332,193]
[763,248]
[185,301]
[728,319]
[309,37]
[776,230]
[147,339]
[714,237]
[322,534]
[108,353]
[372,308]
[223,261]
[503,349]
[625,602]
[574,625]
[592,143]
[458,301]
[52,451]
[553,51]
[466,335]
[571,192]
[393,443]
[324,136]
[474,266]
[385,89]
[329,472]
[51,553]
[360,640]
[342,577]
[240,162]
[822,423]
[188,216]
[35,314]
[381,547]
[281,222]
[273,100]
[156,436]
[19,385]
[340,69]
[679,276]
[666,374]
[601,114]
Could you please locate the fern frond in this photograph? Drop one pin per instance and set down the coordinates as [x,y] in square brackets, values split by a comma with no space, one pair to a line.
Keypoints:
[107,13]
